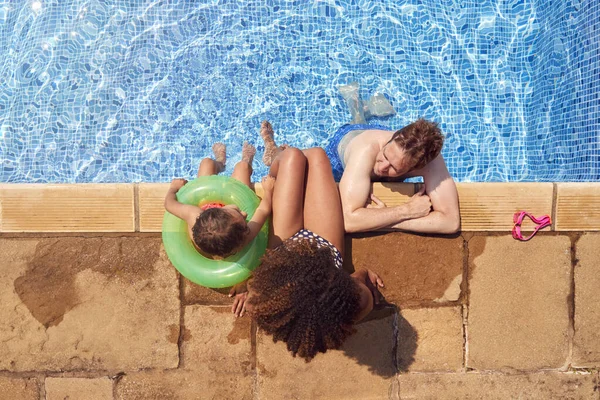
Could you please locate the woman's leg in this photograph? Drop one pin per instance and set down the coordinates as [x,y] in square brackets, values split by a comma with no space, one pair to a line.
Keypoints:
[243,170]
[289,168]
[208,166]
[322,206]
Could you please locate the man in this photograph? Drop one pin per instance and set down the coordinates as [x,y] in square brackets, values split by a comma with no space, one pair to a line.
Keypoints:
[368,153]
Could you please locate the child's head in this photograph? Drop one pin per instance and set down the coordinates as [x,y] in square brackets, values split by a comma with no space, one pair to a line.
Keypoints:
[300,297]
[220,231]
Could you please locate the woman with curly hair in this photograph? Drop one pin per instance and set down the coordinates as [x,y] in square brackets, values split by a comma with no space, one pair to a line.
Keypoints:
[300,294]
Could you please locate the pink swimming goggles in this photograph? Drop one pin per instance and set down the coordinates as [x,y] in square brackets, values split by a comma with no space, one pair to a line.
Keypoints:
[540,222]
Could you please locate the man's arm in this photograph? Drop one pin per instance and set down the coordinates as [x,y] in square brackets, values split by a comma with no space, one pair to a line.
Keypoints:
[440,187]
[355,189]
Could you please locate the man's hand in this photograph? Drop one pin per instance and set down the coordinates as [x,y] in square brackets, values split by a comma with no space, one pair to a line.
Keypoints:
[240,291]
[177,184]
[420,204]
[375,202]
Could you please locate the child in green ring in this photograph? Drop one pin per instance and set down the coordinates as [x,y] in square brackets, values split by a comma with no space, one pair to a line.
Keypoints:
[219,230]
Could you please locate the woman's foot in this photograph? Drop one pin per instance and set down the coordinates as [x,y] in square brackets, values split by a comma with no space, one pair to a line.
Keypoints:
[248,152]
[271,150]
[220,152]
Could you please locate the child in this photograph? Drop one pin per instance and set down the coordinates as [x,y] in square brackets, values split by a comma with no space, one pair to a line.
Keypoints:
[216,229]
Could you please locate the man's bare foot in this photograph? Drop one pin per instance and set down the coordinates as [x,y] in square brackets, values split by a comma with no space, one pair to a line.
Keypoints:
[271,149]
[355,105]
[220,152]
[248,152]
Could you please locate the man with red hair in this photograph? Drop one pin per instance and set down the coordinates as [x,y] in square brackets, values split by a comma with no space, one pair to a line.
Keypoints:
[366,153]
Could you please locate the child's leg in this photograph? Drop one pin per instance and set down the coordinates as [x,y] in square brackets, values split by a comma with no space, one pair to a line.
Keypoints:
[208,166]
[243,170]
[288,195]
[322,206]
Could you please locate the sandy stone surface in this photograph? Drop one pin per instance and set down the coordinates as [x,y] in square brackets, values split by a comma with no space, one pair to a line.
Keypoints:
[79,388]
[216,361]
[17,388]
[77,303]
[417,270]
[362,369]
[438,335]
[473,386]
[518,305]
[586,342]
[196,294]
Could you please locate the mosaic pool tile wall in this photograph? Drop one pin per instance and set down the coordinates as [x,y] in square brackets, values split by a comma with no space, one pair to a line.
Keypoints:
[131,91]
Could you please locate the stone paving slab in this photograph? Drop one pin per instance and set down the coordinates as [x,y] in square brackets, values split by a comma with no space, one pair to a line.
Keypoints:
[90,207]
[577,206]
[586,341]
[216,361]
[196,294]
[19,388]
[416,270]
[79,388]
[474,386]
[438,335]
[87,304]
[518,303]
[363,369]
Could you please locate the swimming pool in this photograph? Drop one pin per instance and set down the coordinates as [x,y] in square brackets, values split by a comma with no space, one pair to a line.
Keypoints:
[130,91]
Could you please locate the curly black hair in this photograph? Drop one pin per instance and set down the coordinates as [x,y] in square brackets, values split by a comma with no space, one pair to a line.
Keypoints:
[216,233]
[301,298]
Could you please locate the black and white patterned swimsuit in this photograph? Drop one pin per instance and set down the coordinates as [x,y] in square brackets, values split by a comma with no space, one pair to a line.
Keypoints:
[305,234]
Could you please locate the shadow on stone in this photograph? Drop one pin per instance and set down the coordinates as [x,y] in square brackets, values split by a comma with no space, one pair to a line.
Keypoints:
[375,342]
[200,295]
[407,344]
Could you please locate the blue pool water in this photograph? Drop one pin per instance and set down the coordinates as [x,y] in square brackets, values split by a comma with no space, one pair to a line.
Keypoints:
[130,90]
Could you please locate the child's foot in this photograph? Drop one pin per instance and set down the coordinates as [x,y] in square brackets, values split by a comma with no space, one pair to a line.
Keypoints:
[271,150]
[248,152]
[220,152]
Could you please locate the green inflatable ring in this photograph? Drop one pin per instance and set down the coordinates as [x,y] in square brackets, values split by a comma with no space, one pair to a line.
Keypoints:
[181,251]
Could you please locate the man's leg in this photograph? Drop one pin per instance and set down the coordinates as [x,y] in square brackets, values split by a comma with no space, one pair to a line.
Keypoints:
[353,101]
[208,166]
[243,169]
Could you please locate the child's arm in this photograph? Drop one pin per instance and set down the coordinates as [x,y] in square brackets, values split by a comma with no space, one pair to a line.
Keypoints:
[186,212]
[263,211]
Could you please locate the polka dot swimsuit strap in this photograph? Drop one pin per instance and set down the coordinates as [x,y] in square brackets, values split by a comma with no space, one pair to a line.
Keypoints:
[305,234]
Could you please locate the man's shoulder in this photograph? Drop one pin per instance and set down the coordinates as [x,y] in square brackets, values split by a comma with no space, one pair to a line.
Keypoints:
[369,141]
[434,168]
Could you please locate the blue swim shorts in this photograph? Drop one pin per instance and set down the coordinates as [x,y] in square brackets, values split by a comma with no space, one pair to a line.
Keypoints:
[331,149]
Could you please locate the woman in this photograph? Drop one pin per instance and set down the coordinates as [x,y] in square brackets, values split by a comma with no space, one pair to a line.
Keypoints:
[300,294]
